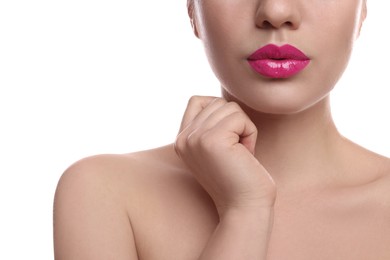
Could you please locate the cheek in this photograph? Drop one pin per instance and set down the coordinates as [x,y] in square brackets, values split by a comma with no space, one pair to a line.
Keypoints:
[225,33]
[334,44]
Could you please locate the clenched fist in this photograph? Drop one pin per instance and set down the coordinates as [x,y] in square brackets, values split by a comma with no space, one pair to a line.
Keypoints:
[217,142]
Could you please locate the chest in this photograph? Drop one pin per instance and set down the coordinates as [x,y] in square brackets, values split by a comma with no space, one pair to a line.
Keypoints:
[176,223]
[316,232]
[299,232]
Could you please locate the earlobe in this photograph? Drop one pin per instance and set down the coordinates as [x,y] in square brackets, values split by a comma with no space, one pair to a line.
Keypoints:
[363,16]
[191,14]
[194,28]
[364,11]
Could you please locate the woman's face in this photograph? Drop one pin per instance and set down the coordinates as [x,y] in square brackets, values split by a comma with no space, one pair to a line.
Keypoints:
[232,30]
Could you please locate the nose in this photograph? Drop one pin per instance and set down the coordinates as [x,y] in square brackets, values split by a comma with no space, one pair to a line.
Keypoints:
[275,14]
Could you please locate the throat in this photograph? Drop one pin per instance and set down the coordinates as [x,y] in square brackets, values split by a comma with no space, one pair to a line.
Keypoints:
[297,146]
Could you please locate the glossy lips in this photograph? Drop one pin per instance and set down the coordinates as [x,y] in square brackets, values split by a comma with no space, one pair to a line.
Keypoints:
[278,62]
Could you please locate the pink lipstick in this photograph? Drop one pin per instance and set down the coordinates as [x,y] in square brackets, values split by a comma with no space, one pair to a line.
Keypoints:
[278,62]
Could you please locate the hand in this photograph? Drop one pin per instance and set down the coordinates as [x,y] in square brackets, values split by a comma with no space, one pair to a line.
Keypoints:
[217,142]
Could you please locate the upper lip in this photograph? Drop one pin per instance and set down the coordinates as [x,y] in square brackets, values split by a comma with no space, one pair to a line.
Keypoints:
[274,52]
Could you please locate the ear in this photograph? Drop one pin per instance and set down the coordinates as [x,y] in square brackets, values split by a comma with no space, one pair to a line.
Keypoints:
[363,15]
[191,14]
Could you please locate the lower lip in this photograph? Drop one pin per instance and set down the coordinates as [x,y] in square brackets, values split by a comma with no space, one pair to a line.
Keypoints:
[278,69]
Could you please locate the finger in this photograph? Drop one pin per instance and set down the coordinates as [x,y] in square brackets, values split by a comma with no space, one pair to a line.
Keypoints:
[218,114]
[238,128]
[195,105]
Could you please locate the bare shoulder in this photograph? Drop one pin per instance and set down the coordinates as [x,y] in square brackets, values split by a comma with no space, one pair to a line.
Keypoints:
[383,168]
[365,185]
[123,171]
[373,170]
[375,165]
[129,177]
[382,187]
[362,161]
[90,220]
[116,206]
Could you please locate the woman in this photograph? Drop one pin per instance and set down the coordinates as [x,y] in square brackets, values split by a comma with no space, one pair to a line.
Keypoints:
[260,173]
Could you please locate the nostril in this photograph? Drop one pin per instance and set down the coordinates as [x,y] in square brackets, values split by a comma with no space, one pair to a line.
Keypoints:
[266,24]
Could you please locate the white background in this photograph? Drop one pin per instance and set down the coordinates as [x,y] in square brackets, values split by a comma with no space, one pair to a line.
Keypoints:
[83,77]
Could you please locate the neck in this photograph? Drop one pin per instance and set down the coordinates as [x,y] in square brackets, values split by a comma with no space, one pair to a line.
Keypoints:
[297,149]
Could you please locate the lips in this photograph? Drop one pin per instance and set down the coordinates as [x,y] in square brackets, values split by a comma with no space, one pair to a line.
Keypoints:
[278,62]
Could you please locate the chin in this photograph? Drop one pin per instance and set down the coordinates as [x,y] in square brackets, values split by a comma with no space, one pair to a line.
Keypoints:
[279,108]
[277,103]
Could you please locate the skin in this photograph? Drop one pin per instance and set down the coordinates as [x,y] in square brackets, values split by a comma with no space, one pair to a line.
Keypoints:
[260,173]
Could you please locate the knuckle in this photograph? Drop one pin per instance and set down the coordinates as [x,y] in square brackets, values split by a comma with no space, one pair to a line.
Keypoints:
[219,101]
[194,100]
[240,115]
[234,106]
[237,116]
